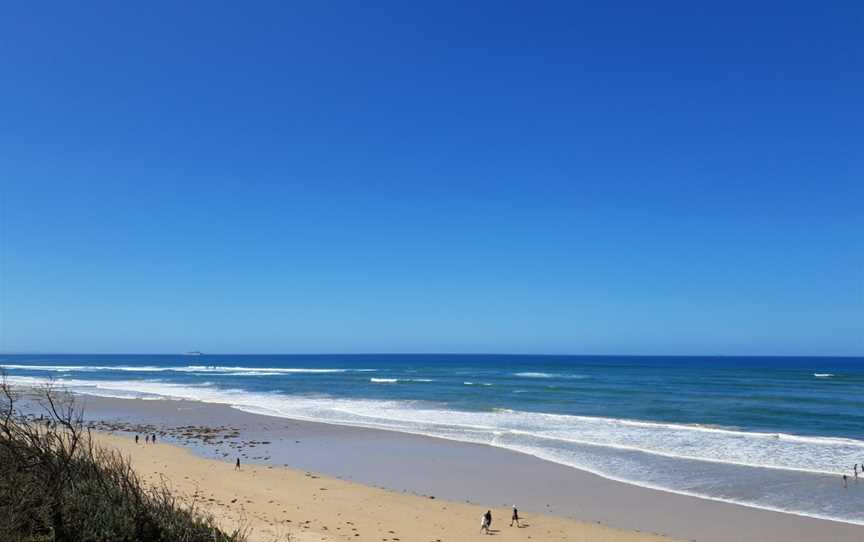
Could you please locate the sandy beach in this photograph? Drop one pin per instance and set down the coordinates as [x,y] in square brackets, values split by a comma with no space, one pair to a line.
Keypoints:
[384,481]
[274,502]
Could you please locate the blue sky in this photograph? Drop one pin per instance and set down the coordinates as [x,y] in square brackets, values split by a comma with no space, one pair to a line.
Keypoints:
[398,177]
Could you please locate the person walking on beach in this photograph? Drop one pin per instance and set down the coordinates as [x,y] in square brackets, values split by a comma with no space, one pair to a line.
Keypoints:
[845,482]
[237,464]
[515,517]
[136,439]
[487,522]
[153,438]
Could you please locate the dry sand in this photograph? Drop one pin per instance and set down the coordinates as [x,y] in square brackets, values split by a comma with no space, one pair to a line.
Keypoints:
[275,502]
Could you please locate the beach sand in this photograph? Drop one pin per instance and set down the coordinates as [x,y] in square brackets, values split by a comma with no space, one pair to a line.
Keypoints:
[401,472]
[276,501]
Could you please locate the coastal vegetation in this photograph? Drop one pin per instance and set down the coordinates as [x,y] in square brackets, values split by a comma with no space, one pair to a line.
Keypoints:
[56,484]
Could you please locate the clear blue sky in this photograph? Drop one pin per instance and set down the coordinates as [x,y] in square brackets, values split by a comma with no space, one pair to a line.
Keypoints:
[582,177]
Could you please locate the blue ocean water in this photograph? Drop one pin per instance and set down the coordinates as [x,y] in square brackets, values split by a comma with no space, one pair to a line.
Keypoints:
[774,433]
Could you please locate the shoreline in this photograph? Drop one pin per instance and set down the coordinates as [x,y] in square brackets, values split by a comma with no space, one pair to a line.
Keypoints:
[459,471]
[274,502]
[643,485]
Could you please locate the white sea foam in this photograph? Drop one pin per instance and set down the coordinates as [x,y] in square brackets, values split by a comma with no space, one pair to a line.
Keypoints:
[605,446]
[550,375]
[823,375]
[239,371]
[394,380]
[243,373]
[68,368]
[774,450]
[277,370]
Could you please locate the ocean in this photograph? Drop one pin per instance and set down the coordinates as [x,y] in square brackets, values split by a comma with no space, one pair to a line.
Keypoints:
[768,432]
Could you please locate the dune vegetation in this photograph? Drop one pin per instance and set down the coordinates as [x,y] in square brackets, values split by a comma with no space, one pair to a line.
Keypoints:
[57,485]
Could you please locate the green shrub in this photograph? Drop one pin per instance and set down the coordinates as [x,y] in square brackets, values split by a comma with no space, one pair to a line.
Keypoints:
[56,485]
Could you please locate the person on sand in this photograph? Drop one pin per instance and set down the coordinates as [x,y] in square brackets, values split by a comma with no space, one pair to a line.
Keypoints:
[136,439]
[484,524]
[237,464]
[515,517]
[845,481]
[146,439]
[153,438]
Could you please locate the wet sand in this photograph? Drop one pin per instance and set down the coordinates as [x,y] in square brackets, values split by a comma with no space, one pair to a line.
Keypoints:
[421,467]
[275,502]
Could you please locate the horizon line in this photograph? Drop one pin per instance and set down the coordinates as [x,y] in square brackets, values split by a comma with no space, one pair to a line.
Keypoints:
[322,354]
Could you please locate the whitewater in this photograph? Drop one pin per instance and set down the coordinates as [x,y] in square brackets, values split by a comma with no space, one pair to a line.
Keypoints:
[766,467]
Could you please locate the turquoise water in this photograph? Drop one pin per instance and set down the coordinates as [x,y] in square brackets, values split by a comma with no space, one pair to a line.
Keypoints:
[774,433]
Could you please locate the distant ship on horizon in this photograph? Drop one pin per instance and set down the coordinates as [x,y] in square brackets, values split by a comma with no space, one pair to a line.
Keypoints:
[192,353]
